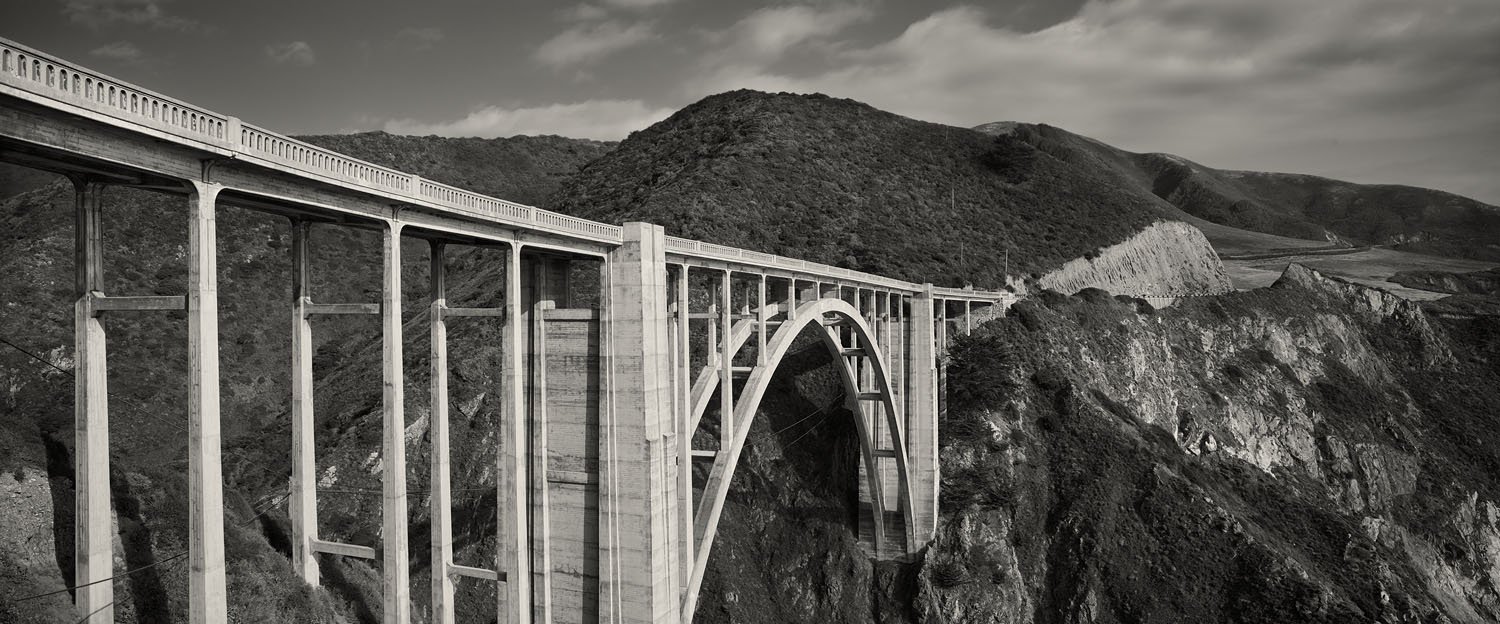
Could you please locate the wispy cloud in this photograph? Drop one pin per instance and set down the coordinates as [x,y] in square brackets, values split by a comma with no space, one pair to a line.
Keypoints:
[293,53]
[594,119]
[101,13]
[636,4]
[123,52]
[1276,84]
[585,43]
[766,35]
[584,12]
[423,38]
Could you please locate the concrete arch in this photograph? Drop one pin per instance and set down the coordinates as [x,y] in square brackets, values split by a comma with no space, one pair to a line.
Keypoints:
[706,519]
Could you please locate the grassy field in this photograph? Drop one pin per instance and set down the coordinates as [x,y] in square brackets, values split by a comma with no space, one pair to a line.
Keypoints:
[1372,268]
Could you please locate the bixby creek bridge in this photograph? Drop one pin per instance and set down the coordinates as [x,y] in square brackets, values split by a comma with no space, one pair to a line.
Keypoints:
[600,517]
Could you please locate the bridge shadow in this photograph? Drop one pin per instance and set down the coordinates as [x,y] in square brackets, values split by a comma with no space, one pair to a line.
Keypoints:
[148,595]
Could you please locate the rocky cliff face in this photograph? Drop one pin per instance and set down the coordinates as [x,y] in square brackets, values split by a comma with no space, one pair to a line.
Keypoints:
[1317,451]
[1167,259]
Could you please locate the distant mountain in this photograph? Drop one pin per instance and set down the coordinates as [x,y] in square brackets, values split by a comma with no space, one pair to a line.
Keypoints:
[840,182]
[1284,204]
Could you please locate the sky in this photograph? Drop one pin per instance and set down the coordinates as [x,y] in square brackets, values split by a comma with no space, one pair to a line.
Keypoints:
[1376,91]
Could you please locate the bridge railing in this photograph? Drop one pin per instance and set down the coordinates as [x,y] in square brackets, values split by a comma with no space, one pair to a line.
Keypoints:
[45,75]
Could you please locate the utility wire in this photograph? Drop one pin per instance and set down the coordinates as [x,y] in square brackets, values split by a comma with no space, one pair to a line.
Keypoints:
[810,415]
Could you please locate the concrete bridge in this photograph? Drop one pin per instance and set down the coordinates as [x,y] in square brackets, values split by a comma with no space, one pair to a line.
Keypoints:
[600,518]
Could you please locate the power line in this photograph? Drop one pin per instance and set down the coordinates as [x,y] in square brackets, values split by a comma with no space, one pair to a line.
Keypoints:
[810,415]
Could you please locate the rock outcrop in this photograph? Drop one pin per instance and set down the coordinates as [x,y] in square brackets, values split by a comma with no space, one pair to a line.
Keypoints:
[1317,451]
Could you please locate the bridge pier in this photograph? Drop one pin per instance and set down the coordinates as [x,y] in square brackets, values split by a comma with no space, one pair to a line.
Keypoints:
[302,502]
[93,542]
[207,601]
[639,582]
[922,404]
[393,535]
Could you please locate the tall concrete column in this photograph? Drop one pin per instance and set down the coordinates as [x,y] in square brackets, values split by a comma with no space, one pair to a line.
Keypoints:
[544,297]
[639,582]
[393,536]
[442,492]
[93,543]
[726,362]
[207,601]
[681,373]
[922,403]
[513,556]
[302,503]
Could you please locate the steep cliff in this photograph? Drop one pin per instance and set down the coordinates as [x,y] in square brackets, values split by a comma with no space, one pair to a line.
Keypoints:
[1167,259]
[1316,451]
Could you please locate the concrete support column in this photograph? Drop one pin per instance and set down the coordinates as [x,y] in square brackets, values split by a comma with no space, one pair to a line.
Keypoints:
[393,535]
[791,299]
[681,369]
[514,558]
[92,530]
[207,600]
[441,478]
[940,311]
[726,363]
[302,503]
[544,298]
[762,316]
[639,581]
[922,402]
[968,317]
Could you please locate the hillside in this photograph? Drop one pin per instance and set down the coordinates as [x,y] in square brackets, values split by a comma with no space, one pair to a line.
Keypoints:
[840,182]
[1312,452]
[1291,205]
[523,169]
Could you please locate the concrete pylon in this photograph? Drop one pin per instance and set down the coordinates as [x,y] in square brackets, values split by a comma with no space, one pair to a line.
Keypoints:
[639,580]
[93,548]
[922,413]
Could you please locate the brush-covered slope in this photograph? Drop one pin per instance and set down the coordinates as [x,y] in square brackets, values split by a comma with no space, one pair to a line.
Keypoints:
[840,182]
[523,169]
[1299,206]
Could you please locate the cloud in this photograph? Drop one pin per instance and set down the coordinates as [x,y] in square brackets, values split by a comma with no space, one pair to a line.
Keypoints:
[123,52]
[586,43]
[767,35]
[294,52]
[605,120]
[583,13]
[1275,84]
[423,38]
[636,4]
[99,13]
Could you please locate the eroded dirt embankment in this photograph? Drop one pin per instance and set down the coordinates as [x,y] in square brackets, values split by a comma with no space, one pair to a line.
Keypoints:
[1167,259]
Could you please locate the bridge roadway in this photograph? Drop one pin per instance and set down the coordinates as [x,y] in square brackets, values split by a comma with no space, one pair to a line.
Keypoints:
[600,516]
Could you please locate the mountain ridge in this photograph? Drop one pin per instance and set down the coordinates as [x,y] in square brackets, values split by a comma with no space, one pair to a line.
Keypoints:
[1295,205]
